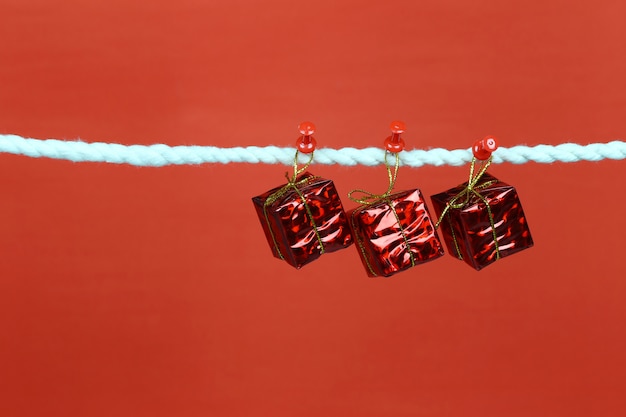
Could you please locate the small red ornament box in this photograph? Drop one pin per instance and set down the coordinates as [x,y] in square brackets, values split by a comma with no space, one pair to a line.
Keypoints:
[467,228]
[304,219]
[394,233]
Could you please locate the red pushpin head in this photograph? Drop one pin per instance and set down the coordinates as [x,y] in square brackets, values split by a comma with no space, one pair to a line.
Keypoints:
[395,143]
[306,143]
[483,148]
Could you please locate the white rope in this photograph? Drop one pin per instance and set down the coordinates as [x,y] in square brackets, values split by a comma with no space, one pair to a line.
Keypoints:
[160,154]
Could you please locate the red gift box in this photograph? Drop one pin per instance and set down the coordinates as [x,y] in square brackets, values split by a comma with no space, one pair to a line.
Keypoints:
[483,224]
[303,219]
[394,233]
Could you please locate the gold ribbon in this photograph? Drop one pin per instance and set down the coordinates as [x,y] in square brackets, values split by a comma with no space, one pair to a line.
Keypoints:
[369,198]
[464,196]
[292,184]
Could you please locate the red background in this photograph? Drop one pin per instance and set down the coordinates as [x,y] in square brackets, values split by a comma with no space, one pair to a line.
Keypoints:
[130,291]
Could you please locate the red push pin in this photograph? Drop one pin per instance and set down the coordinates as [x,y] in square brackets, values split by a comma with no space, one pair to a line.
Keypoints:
[483,148]
[306,143]
[395,143]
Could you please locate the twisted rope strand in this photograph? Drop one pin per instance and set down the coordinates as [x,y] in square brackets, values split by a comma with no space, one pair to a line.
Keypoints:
[161,155]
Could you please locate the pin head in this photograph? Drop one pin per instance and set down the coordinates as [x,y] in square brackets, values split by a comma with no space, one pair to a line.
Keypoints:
[306,128]
[306,143]
[395,143]
[397,126]
[483,148]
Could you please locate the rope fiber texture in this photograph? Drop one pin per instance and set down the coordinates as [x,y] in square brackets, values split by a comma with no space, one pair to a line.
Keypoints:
[160,155]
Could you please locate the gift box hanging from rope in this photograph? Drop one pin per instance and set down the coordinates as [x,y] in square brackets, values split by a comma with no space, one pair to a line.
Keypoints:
[482,220]
[393,230]
[304,218]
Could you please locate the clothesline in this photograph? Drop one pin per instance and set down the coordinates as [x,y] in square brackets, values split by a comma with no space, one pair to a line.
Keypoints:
[160,154]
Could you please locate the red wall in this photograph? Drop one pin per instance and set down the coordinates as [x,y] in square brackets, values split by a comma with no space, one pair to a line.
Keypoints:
[130,291]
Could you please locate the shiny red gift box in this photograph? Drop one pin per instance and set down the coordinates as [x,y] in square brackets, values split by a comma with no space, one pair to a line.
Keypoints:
[469,226]
[394,233]
[304,219]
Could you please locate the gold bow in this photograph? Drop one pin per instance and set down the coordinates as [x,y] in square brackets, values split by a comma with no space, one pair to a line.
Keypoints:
[368,197]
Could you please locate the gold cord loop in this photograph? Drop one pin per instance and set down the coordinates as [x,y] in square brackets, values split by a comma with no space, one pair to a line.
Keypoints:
[292,184]
[369,197]
[464,196]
